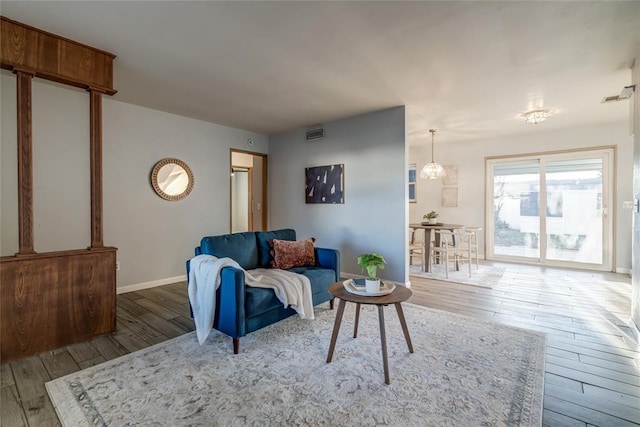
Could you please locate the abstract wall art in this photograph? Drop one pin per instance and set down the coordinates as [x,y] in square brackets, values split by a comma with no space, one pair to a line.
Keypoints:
[325,184]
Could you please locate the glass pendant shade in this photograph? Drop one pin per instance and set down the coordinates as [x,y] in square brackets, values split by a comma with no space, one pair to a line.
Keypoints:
[536,116]
[432,170]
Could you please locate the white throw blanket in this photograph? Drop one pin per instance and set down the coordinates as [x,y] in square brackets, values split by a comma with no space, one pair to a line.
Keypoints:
[292,289]
[204,280]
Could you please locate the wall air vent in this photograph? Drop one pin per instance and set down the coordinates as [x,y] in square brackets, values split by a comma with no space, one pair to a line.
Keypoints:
[614,98]
[626,93]
[315,134]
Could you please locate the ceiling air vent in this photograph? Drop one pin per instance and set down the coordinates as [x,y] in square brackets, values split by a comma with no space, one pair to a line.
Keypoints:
[315,134]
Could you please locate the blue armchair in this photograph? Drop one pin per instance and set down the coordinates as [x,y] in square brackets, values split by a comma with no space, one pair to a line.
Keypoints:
[241,309]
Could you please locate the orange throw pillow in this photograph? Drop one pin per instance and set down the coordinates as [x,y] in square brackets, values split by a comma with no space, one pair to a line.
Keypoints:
[288,254]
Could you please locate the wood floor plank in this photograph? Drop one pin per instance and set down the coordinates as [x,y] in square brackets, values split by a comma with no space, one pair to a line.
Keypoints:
[621,398]
[554,419]
[589,378]
[581,413]
[91,362]
[12,413]
[82,351]
[131,342]
[40,412]
[184,323]
[59,364]
[618,376]
[130,305]
[6,376]
[165,327]
[30,376]
[564,382]
[158,309]
[608,407]
[108,347]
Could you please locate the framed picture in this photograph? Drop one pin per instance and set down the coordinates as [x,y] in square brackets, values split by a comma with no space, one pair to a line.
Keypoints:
[412,183]
[451,175]
[450,197]
[324,184]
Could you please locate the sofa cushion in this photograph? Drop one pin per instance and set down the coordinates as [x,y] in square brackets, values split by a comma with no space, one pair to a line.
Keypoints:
[263,237]
[241,247]
[261,300]
[319,277]
[287,254]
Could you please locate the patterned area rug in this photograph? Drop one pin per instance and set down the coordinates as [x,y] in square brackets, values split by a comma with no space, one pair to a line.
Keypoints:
[485,275]
[464,372]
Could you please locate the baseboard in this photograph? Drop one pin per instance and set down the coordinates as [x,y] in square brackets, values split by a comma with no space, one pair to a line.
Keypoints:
[152,284]
[356,276]
[623,270]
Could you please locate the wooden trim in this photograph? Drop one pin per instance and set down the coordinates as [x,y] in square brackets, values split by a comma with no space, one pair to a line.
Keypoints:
[544,153]
[265,192]
[96,167]
[55,58]
[55,299]
[265,185]
[25,163]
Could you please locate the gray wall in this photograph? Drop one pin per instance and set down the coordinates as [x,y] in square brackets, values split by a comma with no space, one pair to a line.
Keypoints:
[470,155]
[373,217]
[154,237]
[635,274]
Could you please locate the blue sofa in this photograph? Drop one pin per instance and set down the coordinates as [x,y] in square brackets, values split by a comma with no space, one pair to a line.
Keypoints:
[242,309]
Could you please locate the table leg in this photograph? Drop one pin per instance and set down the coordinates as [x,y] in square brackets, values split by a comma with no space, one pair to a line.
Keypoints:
[427,249]
[355,326]
[336,329]
[403,323]
[383,342]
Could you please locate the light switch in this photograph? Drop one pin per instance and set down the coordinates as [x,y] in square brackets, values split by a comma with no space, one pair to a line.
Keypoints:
[627,204]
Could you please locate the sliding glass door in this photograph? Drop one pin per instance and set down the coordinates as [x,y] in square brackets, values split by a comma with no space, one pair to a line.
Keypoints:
[551,209]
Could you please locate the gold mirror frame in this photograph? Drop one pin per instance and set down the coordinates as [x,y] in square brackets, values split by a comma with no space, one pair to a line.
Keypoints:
[158,186]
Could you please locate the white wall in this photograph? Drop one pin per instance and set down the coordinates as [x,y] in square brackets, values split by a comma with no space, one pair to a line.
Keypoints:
[470,156]
[154,237]
[373,216]
[60,167]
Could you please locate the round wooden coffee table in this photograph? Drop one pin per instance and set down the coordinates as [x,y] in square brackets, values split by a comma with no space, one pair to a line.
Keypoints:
[399,294]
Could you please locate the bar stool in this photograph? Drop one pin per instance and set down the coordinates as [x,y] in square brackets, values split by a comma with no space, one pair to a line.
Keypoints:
[473,241]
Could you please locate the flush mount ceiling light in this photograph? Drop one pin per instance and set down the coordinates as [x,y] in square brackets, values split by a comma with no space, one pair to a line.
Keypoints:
[432,170]
[536,116]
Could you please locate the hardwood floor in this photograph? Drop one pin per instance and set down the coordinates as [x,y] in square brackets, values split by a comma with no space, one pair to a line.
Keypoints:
[592,368]
[592,371]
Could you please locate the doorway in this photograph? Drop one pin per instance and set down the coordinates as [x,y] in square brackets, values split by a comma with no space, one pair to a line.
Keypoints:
[248,185]
[552,208]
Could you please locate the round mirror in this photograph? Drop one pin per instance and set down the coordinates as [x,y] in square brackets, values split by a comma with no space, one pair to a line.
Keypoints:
[172,179]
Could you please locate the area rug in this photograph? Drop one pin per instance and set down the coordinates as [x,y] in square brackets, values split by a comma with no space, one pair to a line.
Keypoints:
[485,275]
[464,372]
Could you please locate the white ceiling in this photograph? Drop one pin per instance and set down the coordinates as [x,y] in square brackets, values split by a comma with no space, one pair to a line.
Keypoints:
[467,68]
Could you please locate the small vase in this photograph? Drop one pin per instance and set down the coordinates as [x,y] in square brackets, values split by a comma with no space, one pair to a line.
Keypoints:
[432,220]
[372,286]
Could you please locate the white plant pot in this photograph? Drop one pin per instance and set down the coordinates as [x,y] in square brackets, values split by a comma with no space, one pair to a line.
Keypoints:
[432,220]
[372,286]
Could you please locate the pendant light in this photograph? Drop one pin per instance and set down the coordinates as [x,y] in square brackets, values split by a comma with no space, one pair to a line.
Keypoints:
[432,170]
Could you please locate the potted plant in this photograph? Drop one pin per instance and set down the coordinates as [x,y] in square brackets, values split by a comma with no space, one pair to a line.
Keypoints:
[371,263]
[431,217]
